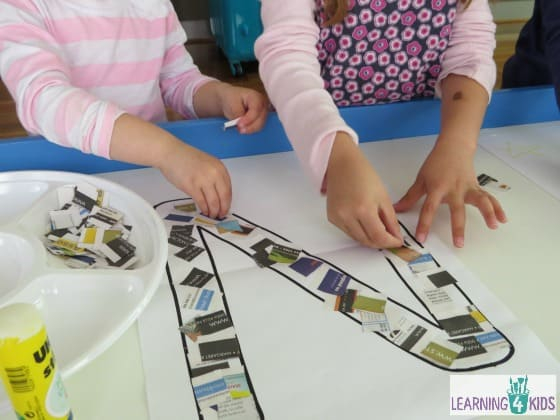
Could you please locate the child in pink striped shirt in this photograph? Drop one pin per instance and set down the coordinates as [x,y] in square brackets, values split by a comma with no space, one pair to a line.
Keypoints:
[96,74]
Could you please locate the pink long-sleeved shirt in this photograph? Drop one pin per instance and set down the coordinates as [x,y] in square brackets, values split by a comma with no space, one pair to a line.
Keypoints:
[74,66]
[290,70]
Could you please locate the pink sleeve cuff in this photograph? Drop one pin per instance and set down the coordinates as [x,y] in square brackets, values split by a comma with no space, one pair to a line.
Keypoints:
[107,123]
[189,102]
[320,154]
[471,47]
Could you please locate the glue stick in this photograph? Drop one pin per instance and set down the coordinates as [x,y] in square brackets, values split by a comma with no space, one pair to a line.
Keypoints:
[27,366]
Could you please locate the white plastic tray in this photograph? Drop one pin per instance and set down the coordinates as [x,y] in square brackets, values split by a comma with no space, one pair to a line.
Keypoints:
[85,310]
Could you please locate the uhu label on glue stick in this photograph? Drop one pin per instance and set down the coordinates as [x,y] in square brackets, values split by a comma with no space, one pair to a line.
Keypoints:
[27,366]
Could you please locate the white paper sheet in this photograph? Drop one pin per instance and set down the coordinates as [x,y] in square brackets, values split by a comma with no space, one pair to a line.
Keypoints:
[533,150]
[305,362]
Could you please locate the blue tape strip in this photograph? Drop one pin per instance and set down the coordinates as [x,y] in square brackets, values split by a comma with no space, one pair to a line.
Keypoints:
[372,123]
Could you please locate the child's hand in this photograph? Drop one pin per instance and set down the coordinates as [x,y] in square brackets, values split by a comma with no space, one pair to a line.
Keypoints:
[357,202]
[447,176]
[201,176]
[248,104]
[194,172]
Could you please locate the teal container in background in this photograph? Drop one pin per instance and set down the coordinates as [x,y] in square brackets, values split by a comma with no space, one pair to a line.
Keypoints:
[236,24]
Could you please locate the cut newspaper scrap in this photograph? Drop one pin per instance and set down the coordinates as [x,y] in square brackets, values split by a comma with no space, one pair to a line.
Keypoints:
[206,324]
[234,402]
[305,266]
[283,254]
[492,183]
[197,299]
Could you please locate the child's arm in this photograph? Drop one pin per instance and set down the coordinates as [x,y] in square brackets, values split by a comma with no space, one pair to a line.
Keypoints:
[194,95]
[448,175]
[471,47]
[465,85]
[32,66]
[290,71]
[357,202]
[34,69]
[200,175]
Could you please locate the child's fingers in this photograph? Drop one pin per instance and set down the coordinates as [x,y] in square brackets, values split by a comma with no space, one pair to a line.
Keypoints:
[200,200]
[223,191]
[458,220]
[500,213]
[255,115]
[237,110]
[353,229]
[389,219]
[414,193]
[255,101]
[429,208]
[212,200]
[378,235]
[369,233]
[371,227]
[255,125]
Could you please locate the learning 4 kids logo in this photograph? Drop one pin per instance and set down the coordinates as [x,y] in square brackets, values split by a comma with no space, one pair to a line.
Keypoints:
[478,395]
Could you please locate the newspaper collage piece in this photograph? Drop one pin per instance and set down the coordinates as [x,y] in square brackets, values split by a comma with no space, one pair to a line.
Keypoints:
[448,332]
[219,378]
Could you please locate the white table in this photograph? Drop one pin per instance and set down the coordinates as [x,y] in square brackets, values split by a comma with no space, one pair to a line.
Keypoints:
[518,262]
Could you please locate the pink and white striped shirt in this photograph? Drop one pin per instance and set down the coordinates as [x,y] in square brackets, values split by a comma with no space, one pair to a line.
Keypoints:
[74,66]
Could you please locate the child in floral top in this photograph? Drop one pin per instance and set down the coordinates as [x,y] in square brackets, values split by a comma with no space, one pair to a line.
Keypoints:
[316,55]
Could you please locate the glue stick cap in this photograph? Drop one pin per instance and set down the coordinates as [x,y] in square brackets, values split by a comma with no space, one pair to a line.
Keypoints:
[20,320]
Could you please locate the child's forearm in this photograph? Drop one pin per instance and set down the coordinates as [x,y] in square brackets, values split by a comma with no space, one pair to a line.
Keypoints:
[207,100]
[463,105]
[137,141]
[199,175]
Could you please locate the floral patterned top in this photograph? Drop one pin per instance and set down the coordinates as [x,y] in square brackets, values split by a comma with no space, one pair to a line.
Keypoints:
[384,50]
